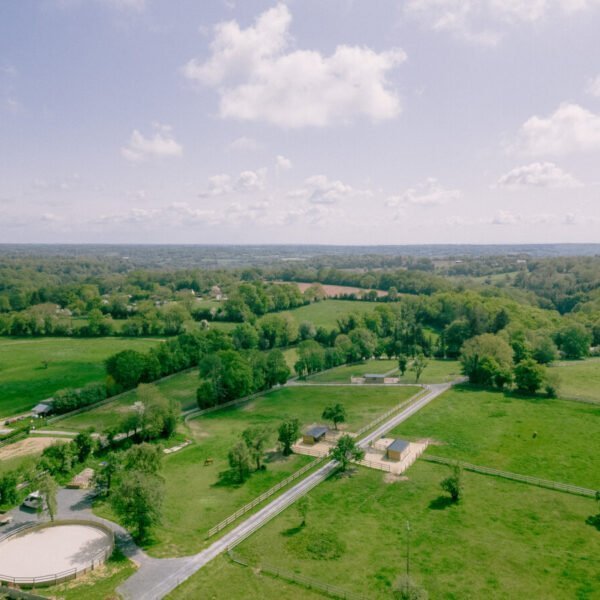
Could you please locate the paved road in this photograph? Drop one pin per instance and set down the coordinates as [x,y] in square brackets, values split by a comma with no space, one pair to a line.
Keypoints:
[148,584]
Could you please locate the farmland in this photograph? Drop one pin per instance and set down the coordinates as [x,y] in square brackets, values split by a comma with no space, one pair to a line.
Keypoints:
[197,498]
[546,438]
[327,312]
[34,369]
[580,379]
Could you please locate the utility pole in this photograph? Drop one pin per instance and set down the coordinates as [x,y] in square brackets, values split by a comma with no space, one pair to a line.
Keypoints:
[407,557]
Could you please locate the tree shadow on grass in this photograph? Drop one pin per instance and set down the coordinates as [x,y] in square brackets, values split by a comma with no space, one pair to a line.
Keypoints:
[275,456]
[292,530]
[594,521]
[228,479]
[441,503]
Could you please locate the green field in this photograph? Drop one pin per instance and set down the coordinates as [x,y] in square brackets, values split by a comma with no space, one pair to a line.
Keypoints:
[196,500]
[327,312]
[504,540]
[497,430]
[580,379]
[24,380]
[437,371]
[180,387]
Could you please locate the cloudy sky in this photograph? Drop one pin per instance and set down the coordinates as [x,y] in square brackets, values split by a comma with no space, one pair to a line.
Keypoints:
[304,121]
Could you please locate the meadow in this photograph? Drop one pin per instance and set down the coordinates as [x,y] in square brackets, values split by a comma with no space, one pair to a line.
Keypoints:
[327,312]
[503,540]
[197,497]
[580,379]
[546,438]
[34,369]
[437,371]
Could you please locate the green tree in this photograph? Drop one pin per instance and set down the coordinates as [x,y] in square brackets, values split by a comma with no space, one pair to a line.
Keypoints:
[303,506]
[144,458]
[453,484]
[529,376]
[345,451]
[137,499]
[48,490]
[277,371]
[126,368]
[288,433]
[105,476]
[402,364]
[256,438]
[336,413]
[574,340]
[477,352]
[419,364]
[239,461]
[84,445]
[8,488]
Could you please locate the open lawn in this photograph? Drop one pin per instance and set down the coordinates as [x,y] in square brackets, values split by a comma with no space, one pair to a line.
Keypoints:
[497,430]
[503,540]
[25,380]
[327,312]
[180,387]
[437,371]
[580,379]
[196,499]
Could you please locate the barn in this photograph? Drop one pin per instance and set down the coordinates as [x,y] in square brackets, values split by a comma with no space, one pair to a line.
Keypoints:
[314,434]
[397,450]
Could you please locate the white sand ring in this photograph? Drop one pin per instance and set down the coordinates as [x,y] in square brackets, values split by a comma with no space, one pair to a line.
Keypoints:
[53,552]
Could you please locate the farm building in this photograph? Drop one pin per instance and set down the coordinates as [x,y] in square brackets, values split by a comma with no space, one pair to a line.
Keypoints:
[314,434]
[374,378]
[397,450]
[42,409]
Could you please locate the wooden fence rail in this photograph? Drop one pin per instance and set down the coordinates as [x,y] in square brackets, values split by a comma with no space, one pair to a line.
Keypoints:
[544,483]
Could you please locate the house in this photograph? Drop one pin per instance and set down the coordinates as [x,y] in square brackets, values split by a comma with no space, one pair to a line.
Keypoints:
[397,450]
[314,434]
[42,409]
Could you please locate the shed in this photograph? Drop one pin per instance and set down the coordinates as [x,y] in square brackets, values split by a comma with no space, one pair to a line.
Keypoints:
[397,450]
[82,481]
[314,434]
[42,409]
[374,378]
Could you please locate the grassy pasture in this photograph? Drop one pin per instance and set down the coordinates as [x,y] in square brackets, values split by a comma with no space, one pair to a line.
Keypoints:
[579,379]
[326,312]
[437,371]
[497,430]
[504,540]
[196,499]
[180,387]
[24,380]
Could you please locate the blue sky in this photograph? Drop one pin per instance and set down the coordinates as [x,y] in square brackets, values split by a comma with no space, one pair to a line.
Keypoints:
[306,121]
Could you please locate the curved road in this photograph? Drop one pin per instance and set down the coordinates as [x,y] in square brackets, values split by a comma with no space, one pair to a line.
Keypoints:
[154,580]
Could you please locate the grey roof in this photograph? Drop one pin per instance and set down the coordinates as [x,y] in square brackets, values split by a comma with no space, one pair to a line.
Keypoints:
[317,431]
[42,407]
[375,375]
[398,445]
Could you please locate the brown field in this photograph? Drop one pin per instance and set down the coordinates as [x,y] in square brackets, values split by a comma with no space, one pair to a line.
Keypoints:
[333,291]
[32,445]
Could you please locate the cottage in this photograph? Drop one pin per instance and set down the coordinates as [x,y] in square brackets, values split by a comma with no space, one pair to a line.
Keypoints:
[314,434]
[397,450]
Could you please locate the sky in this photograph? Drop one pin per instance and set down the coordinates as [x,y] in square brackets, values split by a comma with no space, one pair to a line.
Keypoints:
[299,121]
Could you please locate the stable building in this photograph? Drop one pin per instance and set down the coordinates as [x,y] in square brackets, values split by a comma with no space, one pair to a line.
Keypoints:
[397,450]
[374,378]
[314,434]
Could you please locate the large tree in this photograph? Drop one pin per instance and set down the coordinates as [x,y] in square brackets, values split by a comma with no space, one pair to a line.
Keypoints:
[487,346]
[336,413]
[288,432]
[345,451]
[48,490]
[137,499]
[239,460]
[529,376]
[256,438]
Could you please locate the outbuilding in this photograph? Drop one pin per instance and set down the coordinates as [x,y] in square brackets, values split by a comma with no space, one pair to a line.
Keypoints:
[314,434]
[397,450]
[374,378]
[42,409]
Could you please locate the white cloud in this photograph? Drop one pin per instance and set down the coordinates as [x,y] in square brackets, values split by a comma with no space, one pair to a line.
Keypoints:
[246,181]
[259,78]
[593,86]
[244,144]
[138,5]
[283,163]
[538,174]
[504,217]
[429,193]
[569,129]
[319,189]
[161,144]
[484,21]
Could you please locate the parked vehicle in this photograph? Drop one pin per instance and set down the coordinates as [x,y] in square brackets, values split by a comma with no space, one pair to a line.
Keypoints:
[33,500]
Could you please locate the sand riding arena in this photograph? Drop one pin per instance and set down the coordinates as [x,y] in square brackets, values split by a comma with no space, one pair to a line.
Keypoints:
[48,553]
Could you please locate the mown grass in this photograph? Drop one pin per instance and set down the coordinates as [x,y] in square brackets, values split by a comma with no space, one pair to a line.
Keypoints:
[503,540]
[197,499]
[327,312]
[550,439]
[99,584]
[24,380]
[437,371]
[580,379]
